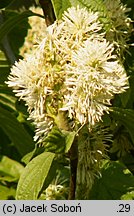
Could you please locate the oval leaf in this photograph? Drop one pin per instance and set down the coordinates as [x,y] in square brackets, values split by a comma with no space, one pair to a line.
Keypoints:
[9,24]
[16,132]
[6,193]
[33,177]
[115,182]
[10,170]
[126,117]
[60,6]
[69,140]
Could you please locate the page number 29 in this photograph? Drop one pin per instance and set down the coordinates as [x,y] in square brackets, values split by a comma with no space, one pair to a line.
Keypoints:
[124,208]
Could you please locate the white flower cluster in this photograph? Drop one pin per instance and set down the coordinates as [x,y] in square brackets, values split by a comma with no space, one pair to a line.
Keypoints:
[93,78]
[73,69]
[55,192]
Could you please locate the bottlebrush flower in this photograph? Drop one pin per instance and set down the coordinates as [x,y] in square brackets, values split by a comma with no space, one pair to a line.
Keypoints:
[72,69]
[80,22]
[92,79]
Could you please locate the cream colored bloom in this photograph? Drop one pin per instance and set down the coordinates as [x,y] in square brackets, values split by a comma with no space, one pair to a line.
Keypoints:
[54,191]
[28,81]
[38,80]
[72,69]
[79,25]
[92,79]
[80,22]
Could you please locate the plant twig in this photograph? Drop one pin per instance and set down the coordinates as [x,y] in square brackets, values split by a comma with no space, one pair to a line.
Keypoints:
[48,11]
[73,153]
[62,123]
[73,166]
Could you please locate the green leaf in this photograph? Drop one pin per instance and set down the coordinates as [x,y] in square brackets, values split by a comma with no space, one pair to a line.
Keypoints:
[33,177]
[37,151]
[19,5]
[128,160]
[126,117]
[106,120]
[10,170]
[125,97]
[70,136]
[128,196]
[95,5]
[10,23]
[7,98]
[4,67]
[4,71]
[115,182]
[7,193]
[59,141]
[16,132]
[4,3]
[55,141]
[27,157]
[60,6]
[50,177]
[8,101]
[130,101]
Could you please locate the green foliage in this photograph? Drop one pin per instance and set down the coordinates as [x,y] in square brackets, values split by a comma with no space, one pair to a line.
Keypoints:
[7,193]
[8,121]
[10,171]
[70,136]
[60,6]
[16,132]
[130,92]
[3,4]
[125,98]
[130,4]
[128,160]
[21,4]
[34,176]
[45,164]
[8,25]
[7,98]
[115,183]
[50,176]
[126,117]
[95,5]
[59,141]
[15,4]
[55,141]
[13,134]
[4,68]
